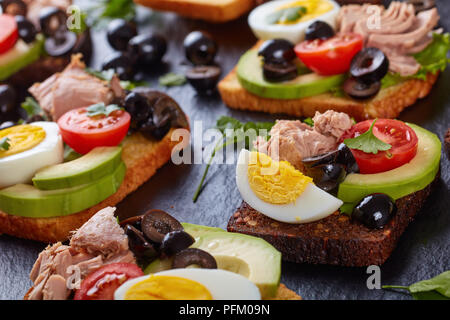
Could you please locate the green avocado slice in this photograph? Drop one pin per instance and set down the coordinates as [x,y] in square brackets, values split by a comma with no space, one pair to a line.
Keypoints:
[28,201]
[399,182]
[250,75]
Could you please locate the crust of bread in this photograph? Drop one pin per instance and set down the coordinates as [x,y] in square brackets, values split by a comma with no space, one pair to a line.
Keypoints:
[212,11]
[142,158]
[388,103]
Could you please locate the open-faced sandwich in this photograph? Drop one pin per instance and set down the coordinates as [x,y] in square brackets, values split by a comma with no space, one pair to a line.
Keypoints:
[35,40]
[116,140]
[337,192]
[155,257]
[365,60]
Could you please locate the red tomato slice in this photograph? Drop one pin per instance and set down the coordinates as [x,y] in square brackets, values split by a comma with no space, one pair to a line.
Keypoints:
[330,56]
[83,133]
[101,284]
[8,32]
[400,136]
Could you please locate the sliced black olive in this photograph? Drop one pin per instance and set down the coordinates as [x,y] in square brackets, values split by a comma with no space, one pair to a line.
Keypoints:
[84,45]
[8,97]
[119,33]
[277,51]
[61,44]
[138,107]
[27,30]
[176,241]
[147,49]
[193,256]
[328,176]
[157,223]
[360,90]
[52,20]
[345,157]
[132,221]
[14,7]
[319,30]
[422,5]
[7,124]
[200,48]
[369,65]
[279,72]
[326,158]
[375,210]
[203,78]
[121,64]
[142,249]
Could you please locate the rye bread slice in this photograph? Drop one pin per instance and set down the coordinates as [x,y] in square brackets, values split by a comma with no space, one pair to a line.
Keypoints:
[335,240]
[447,142]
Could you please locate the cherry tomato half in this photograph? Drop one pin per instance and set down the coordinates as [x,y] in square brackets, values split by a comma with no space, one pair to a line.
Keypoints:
[400,136]
[102,283]
[8,32]
[330,56]
[83,132]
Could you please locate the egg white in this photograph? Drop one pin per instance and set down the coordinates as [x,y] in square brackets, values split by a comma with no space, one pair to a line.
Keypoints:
[292,32]
[222,284]
[312,205]
[21,167]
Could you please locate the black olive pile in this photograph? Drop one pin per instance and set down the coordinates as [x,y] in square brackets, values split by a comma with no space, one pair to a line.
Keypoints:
[157,234]
[201,50]
[133,50]
[330,169]
[375,210]
[278,60]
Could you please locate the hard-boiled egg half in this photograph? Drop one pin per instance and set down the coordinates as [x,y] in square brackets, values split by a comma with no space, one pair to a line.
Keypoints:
[288,19]
[189,284]
[28,148]
[281,192]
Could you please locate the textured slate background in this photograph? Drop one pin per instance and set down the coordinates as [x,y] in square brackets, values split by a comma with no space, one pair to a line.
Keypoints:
[423,251]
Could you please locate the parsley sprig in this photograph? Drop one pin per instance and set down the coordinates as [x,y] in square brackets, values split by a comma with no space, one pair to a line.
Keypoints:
[368,142]
[101,109]
[4,143]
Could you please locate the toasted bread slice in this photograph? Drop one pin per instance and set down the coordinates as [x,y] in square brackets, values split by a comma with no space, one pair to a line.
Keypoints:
[388,103]
[213,11]
[447,142]
[142,158]
[335,240]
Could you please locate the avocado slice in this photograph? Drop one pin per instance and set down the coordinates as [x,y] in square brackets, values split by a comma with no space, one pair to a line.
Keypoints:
[196,230]
[399,182]
[250,75]
[20,56]
[94,165]
[28,201]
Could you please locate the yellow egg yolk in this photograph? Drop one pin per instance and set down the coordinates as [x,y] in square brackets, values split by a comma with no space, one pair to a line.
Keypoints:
[275,182]
[168,288]
[21,138]
[313,8]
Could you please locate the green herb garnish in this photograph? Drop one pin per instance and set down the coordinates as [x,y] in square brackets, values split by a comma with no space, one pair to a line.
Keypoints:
[286,15]
[437,288]
[309,121]
[237,136]
[32,108]
[4,144]
[368,142]
[100,12]
[172,79]
[105,75]
[100,109]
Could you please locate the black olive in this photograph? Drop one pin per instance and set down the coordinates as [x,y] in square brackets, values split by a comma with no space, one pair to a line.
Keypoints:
[7,124]
[142,249]
[119,33]
[345,157]
[147,49]
[8,97]
[176,241]
[203,78]
[138,107]
[200,48]
[157,223]
[84,45]
[319,30]
[14,7]
[329,177]
[121,64]
[52,20]
[61,44]
[278,72]
[375,210]
[360,90]
[277,51]
[27,30]
[133,221]
[326,158]
[193,256]
[369,65]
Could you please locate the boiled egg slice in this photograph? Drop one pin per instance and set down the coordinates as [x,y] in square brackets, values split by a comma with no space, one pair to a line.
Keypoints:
[189,284]
[259,18]
[31,147]
[279,191]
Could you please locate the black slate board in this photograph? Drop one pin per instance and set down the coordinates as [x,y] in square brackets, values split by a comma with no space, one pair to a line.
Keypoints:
[423,250]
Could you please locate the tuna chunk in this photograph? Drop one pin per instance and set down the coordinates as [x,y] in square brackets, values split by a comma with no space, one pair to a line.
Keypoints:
[55,288]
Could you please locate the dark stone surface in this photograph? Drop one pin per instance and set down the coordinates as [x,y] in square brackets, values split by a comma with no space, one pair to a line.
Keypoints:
[423,250]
